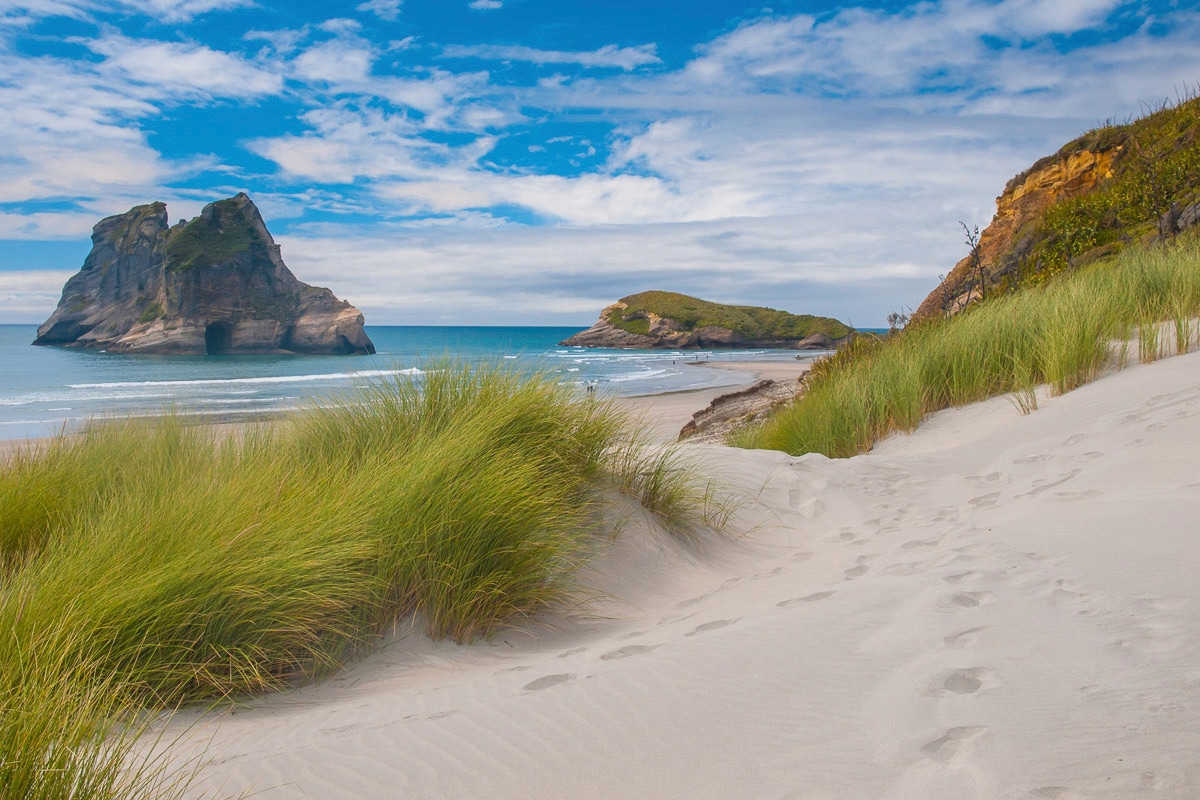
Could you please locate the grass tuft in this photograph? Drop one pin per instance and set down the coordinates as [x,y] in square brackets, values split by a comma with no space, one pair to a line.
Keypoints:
[1059,334]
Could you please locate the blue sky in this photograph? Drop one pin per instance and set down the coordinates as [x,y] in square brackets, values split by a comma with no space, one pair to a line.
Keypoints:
[528,161]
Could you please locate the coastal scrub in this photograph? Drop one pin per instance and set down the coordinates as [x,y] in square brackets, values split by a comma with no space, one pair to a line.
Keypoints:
[1060,333]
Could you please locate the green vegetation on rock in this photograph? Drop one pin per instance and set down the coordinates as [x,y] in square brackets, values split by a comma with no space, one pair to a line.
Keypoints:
[211,239]
[751,322]
[130,224]
[1157,169]
[151,312]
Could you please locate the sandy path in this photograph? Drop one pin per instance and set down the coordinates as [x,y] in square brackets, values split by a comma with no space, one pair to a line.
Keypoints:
[998,606]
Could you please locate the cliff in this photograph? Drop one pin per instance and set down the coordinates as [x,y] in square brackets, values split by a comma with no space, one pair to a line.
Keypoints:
[668,320]
[214,285]
[1113,186]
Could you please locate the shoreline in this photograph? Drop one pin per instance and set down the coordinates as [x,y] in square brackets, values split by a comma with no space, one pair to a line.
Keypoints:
[659,411]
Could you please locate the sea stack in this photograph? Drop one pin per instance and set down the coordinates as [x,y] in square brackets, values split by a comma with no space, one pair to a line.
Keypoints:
[215,285]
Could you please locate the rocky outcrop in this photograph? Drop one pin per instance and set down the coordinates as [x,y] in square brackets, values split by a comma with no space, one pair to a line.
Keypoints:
[731,412]
[1025,199]
[215,285]
[659,331]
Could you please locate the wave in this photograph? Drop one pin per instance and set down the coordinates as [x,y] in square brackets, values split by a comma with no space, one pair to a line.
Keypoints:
[332,376]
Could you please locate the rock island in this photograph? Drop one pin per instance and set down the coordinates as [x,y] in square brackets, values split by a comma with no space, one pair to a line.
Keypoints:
[676,321]
[215,285]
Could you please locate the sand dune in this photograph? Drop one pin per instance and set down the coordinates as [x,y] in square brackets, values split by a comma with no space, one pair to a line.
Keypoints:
[998,606]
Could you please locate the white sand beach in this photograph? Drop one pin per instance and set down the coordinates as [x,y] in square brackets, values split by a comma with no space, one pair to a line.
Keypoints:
[997,606]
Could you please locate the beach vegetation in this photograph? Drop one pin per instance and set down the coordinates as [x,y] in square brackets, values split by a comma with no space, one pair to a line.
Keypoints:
[147,564]
[1062,334]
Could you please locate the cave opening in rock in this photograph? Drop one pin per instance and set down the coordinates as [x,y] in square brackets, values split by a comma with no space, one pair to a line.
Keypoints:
[218,338]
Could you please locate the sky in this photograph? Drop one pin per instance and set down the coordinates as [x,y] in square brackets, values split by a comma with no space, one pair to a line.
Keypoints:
[527,162]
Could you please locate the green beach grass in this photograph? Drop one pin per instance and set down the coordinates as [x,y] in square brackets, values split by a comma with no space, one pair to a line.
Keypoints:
[148,564]
[1061,334]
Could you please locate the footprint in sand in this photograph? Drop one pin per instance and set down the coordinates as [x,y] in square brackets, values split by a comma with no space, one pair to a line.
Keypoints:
[803,555]
[963,600]
[1033,459]
[511,669]
[904,569]
[965,638]
[1045,486]
[631,635]
[846,535]
[573,651]
[711,626]
[985,500]
[961,681]
[547,681]
[921,544]
[762,575]
[1084,495]
[861,567]
[1076,439]
[991,477]
[693,600]
[631,650]
[952,743]
[811,598]
[959,577]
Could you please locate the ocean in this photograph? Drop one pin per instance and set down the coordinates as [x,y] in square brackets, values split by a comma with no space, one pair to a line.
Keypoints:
[48,389]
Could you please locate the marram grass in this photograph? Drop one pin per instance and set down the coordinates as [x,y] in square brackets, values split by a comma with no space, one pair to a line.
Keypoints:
[149,564]
[1060,334]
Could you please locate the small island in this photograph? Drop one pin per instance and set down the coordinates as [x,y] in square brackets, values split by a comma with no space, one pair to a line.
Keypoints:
[668,320]
[216,285]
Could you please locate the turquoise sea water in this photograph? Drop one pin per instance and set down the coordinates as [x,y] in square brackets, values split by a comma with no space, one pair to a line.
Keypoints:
[44,389]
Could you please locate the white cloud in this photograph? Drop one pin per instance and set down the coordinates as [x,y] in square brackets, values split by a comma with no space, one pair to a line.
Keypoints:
[182,70]
[29,296]
[65,135]
[347,143]
[388,10]
[626,58]
[485,5]
[183,10]
[807,264]
[163,10]
[335,61]
[867,52]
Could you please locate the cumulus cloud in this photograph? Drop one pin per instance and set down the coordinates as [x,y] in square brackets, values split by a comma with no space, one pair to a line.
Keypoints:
[485,5]
[179,70]
[388,10]
[348,142]
[336,61]
[164,10]
[28,296]
[953,45]
[626,58]
[566,275]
